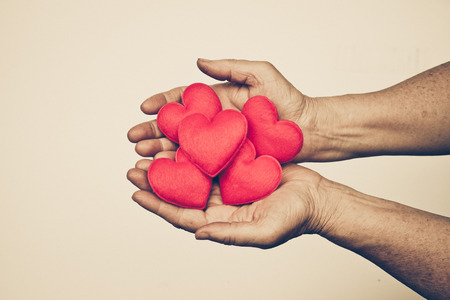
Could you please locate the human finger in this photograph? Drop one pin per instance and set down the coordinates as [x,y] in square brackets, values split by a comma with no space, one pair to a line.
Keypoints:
[185,218]
[143,164]
[248,234]
[233,70]
[215,197]
[148,148]
[138,177]
[153,104]
[143,131]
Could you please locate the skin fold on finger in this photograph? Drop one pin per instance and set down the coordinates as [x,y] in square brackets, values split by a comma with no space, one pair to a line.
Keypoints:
[144,131]
[165,154]
[138,177]
[153,104]
[234,233]
[149,148]
[184,218]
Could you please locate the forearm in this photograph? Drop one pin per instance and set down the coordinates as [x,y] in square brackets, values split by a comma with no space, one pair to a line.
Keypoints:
[410,244]
[410,118]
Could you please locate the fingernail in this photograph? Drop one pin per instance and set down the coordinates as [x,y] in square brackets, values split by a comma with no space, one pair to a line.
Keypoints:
[201,235]
[204,60]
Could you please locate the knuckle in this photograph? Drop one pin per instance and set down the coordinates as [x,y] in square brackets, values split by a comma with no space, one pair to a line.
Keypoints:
[151,129]
[229,241]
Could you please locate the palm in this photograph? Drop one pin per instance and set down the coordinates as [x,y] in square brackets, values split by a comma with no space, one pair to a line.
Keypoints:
[269,222]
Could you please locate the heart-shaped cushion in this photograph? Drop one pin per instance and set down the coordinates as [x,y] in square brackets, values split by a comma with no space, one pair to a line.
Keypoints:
[197,98]
[179,182]
[281,139]
[247,179]
[211,145]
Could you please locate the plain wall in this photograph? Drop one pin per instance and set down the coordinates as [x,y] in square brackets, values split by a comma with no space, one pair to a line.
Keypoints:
[72,77]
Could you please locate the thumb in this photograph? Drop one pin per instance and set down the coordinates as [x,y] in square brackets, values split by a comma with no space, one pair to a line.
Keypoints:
[233,70]
[237,233]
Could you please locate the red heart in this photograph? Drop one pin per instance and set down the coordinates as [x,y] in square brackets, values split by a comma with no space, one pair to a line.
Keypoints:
[197,98]
[180,183]
[212,145]
[248,179]
[281,139]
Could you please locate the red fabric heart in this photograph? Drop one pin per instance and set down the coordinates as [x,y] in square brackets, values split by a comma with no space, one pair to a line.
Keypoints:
[197,98]
[180,183]
[212,145]
[248,179]
[281,139]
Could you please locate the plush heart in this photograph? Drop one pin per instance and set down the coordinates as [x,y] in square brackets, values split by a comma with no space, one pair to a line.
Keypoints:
[179,182]
[247,179]
[197,98]
[211,145]
[281,139]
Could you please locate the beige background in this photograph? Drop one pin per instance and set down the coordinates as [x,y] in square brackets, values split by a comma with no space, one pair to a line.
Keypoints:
[72,77]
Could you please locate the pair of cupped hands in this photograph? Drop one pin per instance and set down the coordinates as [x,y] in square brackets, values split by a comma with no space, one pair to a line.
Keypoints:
[299,204]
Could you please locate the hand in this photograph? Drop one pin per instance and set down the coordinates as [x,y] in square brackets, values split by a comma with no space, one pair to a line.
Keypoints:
[245,80]
[287,213]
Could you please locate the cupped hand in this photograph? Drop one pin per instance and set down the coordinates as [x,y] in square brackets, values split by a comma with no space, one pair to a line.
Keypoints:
[287,213]
[245,80]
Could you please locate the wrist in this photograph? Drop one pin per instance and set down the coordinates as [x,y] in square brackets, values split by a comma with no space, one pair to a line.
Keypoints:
[348,216]
[325,208]
[322,141]
[343,127]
